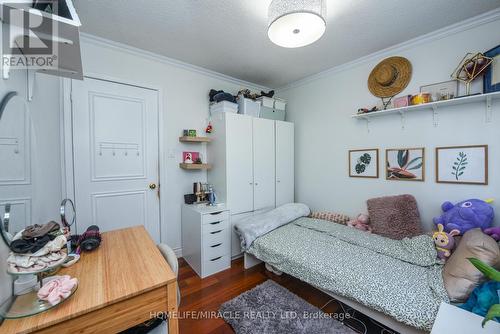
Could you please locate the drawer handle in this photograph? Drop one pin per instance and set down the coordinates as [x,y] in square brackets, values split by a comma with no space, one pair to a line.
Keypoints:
[216,258]
[216,213]
[213,246]
[216,232]
[215,223]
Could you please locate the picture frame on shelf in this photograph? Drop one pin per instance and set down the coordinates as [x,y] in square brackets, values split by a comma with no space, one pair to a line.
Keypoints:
[190,157]
[364,163]
[491,79]
[462,164]
[441,91]
[405,164]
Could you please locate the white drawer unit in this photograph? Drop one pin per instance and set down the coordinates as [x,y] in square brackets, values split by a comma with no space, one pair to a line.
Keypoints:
[206,238]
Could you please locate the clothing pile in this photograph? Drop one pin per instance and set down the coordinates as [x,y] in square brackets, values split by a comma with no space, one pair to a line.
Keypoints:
[57,288]
[36,248]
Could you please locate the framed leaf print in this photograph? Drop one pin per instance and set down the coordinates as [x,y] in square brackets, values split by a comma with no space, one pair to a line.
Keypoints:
[462,164]
[406,164]
[363,163]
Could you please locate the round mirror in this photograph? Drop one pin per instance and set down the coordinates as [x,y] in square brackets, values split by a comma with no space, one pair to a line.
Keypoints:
[68,213]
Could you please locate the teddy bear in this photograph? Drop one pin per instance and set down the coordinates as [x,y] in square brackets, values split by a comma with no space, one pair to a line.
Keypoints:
[361,222]
[445,242]
[466,215]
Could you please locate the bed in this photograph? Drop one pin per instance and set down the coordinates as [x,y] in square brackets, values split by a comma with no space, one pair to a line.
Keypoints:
[396,282]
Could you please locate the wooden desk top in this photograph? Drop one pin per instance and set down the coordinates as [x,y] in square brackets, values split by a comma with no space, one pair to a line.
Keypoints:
[127,264]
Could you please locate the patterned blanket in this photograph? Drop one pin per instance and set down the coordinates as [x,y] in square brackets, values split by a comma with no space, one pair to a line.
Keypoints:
[400,278]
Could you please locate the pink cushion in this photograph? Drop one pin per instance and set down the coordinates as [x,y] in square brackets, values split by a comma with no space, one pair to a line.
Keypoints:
[395,217]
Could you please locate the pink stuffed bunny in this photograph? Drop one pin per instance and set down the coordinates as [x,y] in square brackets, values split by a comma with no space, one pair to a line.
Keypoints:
[445,242]
[361,223]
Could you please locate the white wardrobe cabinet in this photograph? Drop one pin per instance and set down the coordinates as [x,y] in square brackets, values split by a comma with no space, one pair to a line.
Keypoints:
[264,174]
[252,162]
[284,163]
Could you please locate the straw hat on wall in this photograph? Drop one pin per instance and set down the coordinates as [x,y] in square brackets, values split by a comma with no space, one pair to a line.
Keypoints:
[389,77]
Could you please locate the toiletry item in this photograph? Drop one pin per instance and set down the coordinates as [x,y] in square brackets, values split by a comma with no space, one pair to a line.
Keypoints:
[212,198]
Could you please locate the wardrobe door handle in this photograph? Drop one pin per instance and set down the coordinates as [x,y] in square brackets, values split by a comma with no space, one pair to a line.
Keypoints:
[216,232]
[217,245]
[215,259]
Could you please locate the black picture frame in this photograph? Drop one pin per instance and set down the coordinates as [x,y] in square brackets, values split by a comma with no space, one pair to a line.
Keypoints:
[488,86]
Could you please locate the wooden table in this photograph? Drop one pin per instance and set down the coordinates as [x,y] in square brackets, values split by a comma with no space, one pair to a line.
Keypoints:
[123,283]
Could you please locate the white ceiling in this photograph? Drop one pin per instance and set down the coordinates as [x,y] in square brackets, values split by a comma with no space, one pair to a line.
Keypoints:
[230,36]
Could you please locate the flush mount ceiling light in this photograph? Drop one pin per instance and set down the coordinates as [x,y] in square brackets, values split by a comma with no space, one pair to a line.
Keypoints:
[296,23]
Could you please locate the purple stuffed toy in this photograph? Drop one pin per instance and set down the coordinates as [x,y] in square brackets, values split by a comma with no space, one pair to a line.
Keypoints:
[466,215]
[493,232]
[444,242]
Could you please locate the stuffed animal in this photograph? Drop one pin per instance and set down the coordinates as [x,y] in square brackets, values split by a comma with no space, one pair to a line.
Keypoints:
[361,223]
[445,242]
[466,215]
[493,232]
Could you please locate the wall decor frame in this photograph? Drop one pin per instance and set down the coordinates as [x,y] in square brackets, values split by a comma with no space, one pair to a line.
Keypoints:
[491,79]
[364,163]
[440,91]
[405,164]
[462,164]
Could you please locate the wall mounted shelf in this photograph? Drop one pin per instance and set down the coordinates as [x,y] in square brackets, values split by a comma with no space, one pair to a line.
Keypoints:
[187,139]
[195,166]
[434,106]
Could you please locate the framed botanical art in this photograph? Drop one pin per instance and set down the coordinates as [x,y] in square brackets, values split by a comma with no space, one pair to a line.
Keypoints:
[406,164]
[363,163]
[462,164]
[491,79]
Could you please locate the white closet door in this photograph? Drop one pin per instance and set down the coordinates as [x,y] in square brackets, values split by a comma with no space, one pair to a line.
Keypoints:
[284,163]
[239,163]
[263,163]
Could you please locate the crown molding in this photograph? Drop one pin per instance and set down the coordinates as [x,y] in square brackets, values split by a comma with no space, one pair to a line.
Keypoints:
[103,42]
[453,29]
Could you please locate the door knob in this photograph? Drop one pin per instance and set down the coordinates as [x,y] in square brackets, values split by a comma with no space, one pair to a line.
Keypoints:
[152,186]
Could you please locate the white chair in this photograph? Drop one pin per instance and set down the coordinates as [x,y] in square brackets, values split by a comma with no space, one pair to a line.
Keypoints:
[172,261]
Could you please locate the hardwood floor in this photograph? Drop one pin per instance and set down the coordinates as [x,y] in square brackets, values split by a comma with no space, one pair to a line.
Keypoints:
[201,295]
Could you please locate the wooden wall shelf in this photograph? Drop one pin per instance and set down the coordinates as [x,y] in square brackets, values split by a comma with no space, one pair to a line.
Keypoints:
[187,139]
[195,166]
[434,106]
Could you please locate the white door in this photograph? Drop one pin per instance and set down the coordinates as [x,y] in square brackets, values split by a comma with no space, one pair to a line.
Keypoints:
[115,147]
[284,163]
[239,163]
[263,163]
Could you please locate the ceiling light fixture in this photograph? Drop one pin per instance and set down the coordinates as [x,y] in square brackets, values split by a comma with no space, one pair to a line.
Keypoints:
[296,23]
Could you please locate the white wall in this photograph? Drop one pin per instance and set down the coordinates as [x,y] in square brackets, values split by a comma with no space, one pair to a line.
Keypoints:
[185,106]
[44,190]
[321,109]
